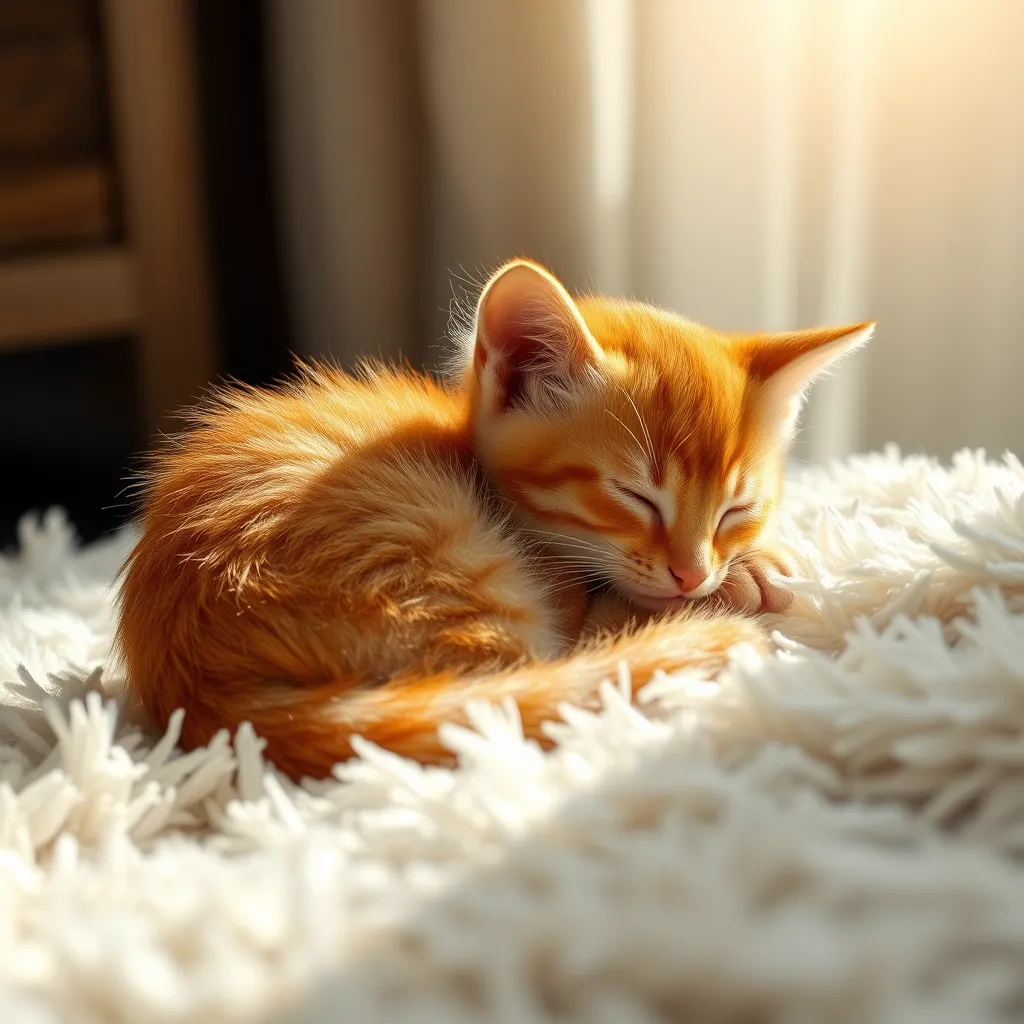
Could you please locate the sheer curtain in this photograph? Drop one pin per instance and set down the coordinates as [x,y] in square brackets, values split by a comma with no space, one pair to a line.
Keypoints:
[753,163]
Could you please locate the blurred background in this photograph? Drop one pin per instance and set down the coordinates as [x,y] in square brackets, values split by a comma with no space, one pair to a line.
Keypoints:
[191,189]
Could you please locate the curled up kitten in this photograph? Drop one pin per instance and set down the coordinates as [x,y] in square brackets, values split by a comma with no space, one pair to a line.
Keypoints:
[364,554]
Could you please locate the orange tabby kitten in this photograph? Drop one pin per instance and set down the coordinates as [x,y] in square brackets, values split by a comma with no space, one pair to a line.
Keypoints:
[363,555]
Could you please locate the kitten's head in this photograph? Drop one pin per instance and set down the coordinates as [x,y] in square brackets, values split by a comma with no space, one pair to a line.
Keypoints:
[645,448]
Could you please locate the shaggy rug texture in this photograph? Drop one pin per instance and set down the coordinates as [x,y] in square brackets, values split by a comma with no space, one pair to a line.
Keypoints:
[832,833]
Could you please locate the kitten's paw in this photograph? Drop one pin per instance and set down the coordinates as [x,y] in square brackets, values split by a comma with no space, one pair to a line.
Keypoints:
[752,584]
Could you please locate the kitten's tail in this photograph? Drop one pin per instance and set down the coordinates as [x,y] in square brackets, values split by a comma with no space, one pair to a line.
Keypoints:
[308,730]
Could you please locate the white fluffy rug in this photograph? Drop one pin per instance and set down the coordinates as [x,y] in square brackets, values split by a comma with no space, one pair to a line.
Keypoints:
[835,834]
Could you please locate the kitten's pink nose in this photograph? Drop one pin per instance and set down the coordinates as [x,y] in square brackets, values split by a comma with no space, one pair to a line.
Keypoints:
[688,578]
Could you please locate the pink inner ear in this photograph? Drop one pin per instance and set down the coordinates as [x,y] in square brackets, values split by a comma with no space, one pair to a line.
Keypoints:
[528,327]
[787,364]
[522,310]
[802,354]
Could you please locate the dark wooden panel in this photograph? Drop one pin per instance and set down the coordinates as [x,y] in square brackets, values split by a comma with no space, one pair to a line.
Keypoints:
[53,299]
[56,206]
[50,108]
[28,19]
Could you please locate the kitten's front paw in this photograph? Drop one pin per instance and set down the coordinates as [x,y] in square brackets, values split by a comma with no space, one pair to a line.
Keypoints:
[752,583]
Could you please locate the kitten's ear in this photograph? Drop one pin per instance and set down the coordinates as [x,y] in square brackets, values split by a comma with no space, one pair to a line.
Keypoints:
[531,342]
[785,365]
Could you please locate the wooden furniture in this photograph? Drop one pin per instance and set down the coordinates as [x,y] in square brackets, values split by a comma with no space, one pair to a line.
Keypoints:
[147,278]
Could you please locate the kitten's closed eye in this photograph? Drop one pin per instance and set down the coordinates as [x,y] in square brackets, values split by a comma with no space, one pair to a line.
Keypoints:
[734,516]
[640,499]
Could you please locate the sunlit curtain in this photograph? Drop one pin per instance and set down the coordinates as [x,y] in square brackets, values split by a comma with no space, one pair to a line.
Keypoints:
[753,163]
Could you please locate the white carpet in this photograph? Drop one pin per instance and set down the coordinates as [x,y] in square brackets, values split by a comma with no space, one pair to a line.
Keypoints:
[832,835]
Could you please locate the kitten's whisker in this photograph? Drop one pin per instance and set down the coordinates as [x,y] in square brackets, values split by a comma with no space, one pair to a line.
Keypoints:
[575,573]
[591,553]
[582,563]
[582,552]
[563,584]
[582,548]
[564,538]
[627,429]
[643,426]
[579,574]
[583,572]
[678,444]
[581,555]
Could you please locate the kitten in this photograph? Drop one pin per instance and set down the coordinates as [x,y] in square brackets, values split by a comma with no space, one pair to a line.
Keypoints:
[363,555]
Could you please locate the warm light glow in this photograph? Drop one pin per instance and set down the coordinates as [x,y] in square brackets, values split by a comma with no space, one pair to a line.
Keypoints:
[786,27]
[610,51]
[835,412]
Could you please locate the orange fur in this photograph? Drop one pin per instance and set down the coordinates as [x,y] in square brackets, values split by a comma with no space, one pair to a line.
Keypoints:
[363,555]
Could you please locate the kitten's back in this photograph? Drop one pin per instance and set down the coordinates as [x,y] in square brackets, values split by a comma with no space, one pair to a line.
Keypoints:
[334,533]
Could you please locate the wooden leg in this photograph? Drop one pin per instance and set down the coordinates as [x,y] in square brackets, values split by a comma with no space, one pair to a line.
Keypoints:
[152,85]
